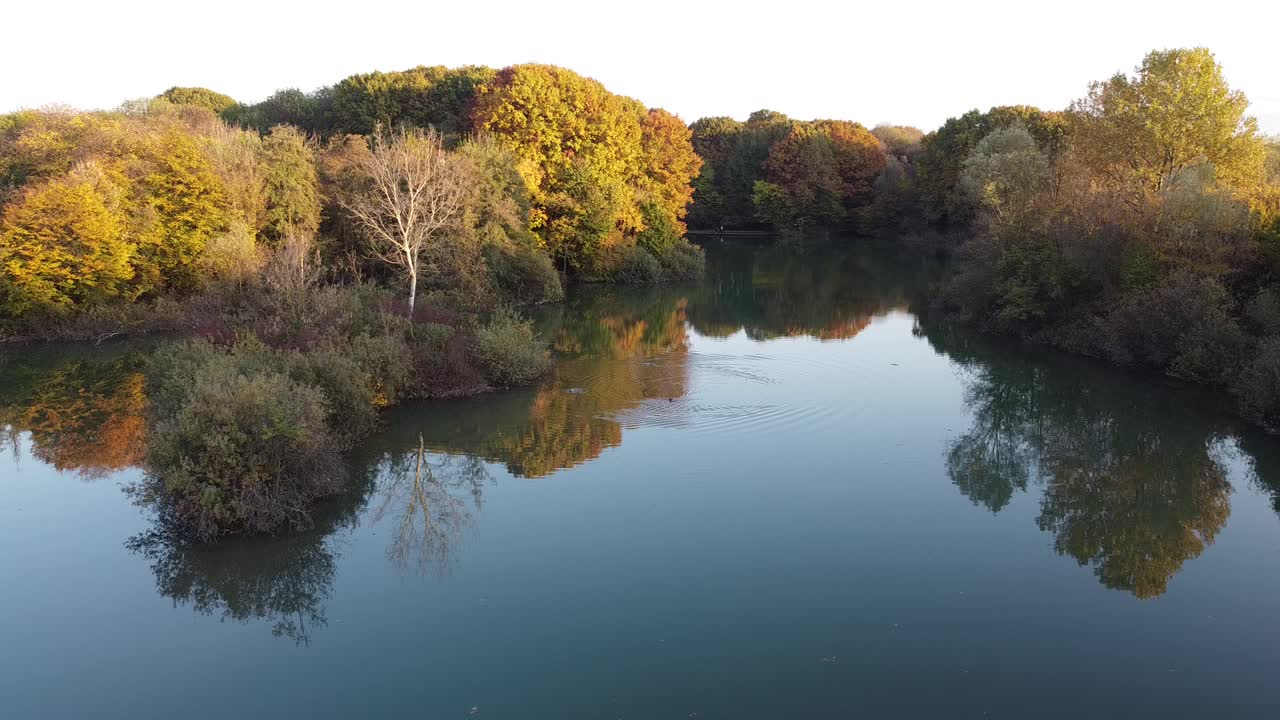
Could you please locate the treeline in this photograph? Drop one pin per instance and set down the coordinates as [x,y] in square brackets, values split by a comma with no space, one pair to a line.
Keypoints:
[1140,225]
[603,172]
[801,176]
[167,196]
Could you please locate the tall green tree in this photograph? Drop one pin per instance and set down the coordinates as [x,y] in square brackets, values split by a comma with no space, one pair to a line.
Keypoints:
[1176,111]
[944,151]
[290,183]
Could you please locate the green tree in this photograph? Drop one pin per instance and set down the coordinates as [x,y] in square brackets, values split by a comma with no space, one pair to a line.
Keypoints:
[773,205]
[198,96]
[944,151]
[290,184]
[313,112]
[423,97]
[1177,111]
[714,139]
[1005,172]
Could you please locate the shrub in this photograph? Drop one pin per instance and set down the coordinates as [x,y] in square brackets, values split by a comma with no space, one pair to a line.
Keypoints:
[348,389]
[1181,326]
[1263,312]
[1258,385]
[388,360]
[239,453]
[232,255]
[638,266]
[682,260]
[442,362]
[524,275]
[507,351]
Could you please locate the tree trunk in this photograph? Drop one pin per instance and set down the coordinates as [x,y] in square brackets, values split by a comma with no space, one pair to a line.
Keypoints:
[413,292]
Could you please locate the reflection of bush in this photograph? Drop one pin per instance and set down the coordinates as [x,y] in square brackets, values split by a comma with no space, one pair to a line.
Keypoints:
[283,580]
[1133,482]
[83,410]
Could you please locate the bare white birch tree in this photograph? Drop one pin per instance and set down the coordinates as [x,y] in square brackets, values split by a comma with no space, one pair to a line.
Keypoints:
[411,190]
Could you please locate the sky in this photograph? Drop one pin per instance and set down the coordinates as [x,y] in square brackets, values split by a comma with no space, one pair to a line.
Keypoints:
[903,63]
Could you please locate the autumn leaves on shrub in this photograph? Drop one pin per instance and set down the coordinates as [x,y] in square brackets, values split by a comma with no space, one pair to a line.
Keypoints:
[1140,226]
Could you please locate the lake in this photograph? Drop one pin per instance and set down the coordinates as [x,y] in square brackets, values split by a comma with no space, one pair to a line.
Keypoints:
[783,493]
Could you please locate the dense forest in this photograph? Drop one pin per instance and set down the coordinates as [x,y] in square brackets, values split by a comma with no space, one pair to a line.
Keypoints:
[327,254]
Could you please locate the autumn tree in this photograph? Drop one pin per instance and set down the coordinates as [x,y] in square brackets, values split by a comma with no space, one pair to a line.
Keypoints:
[579,149]
[411,189]
[900,141]
[670,165]
[826,169]
[183,206]
[1177,111]
[63,243]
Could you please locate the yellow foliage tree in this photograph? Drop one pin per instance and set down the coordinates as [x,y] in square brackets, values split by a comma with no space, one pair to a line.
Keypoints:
[63,242]
[1178,111]
[580,150]
[184,205]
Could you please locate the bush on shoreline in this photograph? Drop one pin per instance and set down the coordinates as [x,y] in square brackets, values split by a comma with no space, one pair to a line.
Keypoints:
[250,419]
[238,451]
[508,352]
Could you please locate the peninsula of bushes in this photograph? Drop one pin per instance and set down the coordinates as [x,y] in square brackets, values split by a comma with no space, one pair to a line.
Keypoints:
[328,261]
[326,254]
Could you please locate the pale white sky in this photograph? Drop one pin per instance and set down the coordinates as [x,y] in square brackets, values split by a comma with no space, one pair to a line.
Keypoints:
[887,61]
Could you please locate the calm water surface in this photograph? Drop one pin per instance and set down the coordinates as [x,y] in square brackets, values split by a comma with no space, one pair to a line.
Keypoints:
[784,493]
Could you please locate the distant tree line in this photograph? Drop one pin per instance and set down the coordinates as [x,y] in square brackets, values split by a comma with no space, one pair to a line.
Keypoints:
[799,176]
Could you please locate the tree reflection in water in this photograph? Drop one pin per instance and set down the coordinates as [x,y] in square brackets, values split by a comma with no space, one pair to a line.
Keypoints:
[432,501]
[283,580]
[1134,481]
[617,349]
[1131,481]
[789,291]
[83,408]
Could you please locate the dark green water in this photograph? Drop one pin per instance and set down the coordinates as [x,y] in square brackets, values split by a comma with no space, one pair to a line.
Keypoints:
[781,494]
